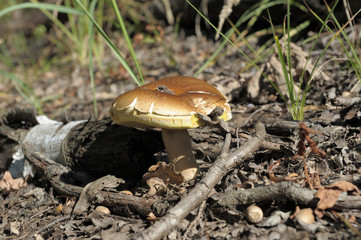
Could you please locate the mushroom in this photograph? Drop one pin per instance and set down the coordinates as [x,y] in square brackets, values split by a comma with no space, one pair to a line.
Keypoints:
[173,104]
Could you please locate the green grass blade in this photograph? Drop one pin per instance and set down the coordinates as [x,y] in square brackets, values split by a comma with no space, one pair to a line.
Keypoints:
[58,23]
[354,59]
[24,90]
[286,78]
[210,59]
[127,39]
[291,108]
[111,45]
[356,64]
[290,83]
[304,94]
[336,35]
[250,60]
[91,66]
[47,6]
[248,14]
[225,37]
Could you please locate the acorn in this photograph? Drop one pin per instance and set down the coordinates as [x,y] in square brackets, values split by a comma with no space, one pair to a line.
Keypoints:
[102,209]
[305,216]
[254,214]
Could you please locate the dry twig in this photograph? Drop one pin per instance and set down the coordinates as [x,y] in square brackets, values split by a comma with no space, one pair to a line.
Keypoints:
[282,191]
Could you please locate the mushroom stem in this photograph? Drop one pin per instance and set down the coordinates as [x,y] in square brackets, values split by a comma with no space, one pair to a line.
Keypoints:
[179,150]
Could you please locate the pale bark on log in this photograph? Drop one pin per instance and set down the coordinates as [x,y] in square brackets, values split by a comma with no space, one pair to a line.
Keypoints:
[97,148]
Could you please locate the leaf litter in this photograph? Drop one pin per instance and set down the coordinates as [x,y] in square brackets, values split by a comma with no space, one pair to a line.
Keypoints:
[337,135]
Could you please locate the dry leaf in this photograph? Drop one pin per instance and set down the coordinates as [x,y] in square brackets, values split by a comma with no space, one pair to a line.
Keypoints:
[328,195]
[14,228]
[91,192]
[352,219]
[156,185]
[166,172]
[273,178]
[345,186]
[160,176]
[8,183]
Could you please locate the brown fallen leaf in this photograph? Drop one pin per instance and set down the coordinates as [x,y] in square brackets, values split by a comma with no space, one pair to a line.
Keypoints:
[8,183]
[160,176]
[273,178]
[352,219]
[156,185]
[328,195]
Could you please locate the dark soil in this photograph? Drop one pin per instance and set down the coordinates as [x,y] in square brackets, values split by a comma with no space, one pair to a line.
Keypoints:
[43,208]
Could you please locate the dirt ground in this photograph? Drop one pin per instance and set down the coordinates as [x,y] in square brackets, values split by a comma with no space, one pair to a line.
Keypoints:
[273,176]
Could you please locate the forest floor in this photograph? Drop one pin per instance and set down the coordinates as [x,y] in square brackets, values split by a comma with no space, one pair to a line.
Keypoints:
[39,210]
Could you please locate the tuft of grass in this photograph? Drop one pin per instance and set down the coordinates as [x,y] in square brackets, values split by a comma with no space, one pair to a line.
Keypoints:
[351,52]
[129,43]
[295,101]
[111,45]
[72,39]
[251,15]
[226,40]
[76,38]
[47,6]
[20,45]
[91,66]
[24,90]
[253,63]
[298,99]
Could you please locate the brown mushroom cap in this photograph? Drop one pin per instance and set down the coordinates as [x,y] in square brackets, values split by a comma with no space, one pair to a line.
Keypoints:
[171,103]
